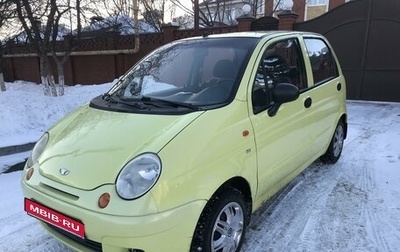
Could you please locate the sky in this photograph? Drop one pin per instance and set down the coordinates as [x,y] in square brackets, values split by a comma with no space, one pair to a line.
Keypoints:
[353,205]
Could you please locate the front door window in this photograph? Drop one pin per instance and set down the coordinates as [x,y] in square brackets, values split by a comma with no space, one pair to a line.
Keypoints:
[282,62]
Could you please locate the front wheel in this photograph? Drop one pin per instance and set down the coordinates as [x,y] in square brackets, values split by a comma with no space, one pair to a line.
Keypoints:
[334,151]
[222,224]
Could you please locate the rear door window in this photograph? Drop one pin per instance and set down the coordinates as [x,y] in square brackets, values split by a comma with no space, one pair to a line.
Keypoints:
[322,62]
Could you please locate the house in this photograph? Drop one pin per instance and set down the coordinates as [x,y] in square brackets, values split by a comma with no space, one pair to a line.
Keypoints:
[306,9]
[220,12]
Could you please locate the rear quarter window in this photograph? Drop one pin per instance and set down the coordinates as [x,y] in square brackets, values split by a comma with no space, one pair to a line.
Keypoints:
[323,64]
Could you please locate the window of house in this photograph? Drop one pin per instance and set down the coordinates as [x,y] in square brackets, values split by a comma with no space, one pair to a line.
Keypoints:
[316,2]
[260,7]
[282,62]
[322,62]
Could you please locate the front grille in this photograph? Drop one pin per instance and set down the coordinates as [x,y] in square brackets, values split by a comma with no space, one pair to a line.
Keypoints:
[85,242]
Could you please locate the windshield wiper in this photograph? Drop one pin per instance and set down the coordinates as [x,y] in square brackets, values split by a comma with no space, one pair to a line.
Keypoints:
[145,99]
[108,98]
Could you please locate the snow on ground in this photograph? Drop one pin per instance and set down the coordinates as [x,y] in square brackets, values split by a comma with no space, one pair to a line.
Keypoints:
[353,205]
[26,112]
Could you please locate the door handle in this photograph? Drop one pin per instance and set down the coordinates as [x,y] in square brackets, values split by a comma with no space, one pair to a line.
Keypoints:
[308,102]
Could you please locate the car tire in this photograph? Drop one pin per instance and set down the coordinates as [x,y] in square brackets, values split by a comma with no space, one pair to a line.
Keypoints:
[222,224]
[335,148]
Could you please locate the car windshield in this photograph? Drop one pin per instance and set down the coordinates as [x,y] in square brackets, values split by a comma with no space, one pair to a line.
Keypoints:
[196,73]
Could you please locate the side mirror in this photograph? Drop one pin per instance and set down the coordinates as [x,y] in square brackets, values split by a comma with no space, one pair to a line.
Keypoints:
[283,93]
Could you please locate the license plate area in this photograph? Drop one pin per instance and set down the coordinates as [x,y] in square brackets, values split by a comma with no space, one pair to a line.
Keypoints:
[54,218]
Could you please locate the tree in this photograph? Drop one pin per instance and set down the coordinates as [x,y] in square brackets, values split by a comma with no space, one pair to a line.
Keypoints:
[154,18]
[212,13]
[153,12]
[60,62]
[276,5]
[128,9]
[31,14]
[40,21]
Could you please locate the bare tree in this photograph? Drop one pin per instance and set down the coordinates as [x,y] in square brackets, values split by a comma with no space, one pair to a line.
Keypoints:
[212,13]
[126,10]
[276,6]
[61,10]
[130,9]
[153,12]
[41,21]
[31,15]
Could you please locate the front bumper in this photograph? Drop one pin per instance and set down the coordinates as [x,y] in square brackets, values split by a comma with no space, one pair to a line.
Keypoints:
[162,231]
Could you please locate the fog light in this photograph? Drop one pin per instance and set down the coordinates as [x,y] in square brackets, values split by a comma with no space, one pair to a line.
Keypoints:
[29,174]
[104,200]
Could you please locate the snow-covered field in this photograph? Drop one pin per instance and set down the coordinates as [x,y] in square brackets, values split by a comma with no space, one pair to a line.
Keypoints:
[353,205]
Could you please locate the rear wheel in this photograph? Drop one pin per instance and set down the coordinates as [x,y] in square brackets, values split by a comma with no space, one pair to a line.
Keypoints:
[222,224]
[335,148]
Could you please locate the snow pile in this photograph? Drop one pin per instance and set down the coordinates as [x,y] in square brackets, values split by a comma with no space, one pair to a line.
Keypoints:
[26,113]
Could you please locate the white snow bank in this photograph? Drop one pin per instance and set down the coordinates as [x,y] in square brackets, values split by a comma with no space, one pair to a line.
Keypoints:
[26,113]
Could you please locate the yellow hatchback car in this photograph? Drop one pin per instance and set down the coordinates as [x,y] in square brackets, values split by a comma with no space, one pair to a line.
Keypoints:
[188,143]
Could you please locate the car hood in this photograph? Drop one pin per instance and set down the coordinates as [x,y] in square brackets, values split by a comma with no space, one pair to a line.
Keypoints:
[93,145]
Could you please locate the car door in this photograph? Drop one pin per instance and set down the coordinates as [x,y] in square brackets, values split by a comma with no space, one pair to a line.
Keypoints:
[281,139]
[324,97]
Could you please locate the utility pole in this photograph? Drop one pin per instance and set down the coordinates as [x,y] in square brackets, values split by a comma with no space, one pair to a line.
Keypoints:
[78,18]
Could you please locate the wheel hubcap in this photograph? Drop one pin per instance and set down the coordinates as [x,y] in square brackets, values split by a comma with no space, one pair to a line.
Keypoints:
[228,228]
[338,141]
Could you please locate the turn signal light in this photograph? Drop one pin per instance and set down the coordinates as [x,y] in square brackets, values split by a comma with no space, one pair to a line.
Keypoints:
[29,174]
[104,200]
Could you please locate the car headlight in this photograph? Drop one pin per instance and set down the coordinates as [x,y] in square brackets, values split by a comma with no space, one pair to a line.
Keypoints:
[138,176]
[38,149]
